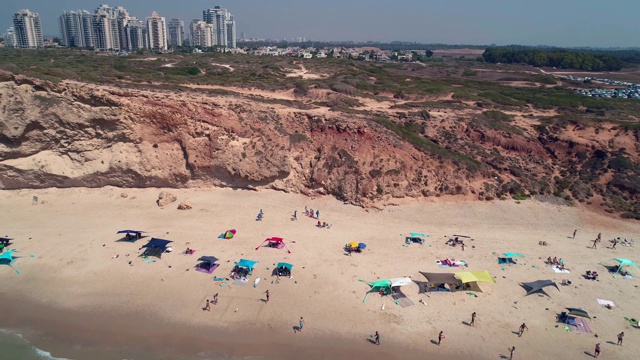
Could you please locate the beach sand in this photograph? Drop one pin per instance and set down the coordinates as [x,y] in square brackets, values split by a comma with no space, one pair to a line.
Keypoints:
[73,291]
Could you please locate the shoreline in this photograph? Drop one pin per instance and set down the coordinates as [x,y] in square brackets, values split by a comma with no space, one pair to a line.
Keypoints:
[79,288]
[79,335]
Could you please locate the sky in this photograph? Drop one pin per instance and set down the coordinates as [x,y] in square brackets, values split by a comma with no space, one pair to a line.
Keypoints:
[573,23]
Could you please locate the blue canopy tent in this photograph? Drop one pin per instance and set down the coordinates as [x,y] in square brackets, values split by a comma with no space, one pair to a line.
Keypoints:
[622,263]
[283,269]
[243,269]
[7,259]
[507,258]
[131,235]
[413,237]
[207,264]
[248,264]
[155,247]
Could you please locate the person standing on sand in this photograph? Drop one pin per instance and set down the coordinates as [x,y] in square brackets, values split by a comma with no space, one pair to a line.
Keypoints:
[207,307]
[599,237]
[620,337]
[574,233]
[615,242]
[301,323]
[295,214]
[473,319]
[595,242]
[440,337]
[267,293]
[317,214]
[523,327]
[511,351]
[215,299]
[377,338]
[596,352]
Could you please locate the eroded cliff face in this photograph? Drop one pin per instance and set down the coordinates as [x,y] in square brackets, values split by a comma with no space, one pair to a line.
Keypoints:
[71,135]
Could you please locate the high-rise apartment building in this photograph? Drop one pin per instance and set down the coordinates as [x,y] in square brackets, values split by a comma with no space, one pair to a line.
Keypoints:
[76,29]
[156,32]
[28,30]
[136,34]
[176,32]
[202,34]
[105,30]
[9,38]
[224,26]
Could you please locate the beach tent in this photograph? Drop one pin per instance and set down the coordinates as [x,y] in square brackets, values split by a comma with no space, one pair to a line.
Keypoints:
[155,247]
[207,264]
[4,242]
[274,242]
[538,286]
[8,259]
[507,258]
[622,263]
[415,238]
[247,264]
[355,247]
[282,269]
[229,234]
[471,279]
[438,282]
[578,313]
[385,286]
[131,235]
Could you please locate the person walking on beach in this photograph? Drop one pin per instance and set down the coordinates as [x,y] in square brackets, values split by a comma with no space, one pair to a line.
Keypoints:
[523,327]
[440,337]
[295,214]
[207,307]
[595,242]
[511,351]
[620,337]
[267,293]
[599,237]
[317,214]
[215,299]
[377,338]
[574,233]
[615,242]
[473,319]
[596,352]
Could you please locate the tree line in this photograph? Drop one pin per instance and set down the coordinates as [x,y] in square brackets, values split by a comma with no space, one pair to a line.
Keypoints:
[554,58]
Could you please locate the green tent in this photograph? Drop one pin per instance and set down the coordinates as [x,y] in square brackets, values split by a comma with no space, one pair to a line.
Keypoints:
[384,286]
[624,262]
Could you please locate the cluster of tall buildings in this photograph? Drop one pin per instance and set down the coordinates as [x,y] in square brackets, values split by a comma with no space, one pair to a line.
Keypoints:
[113,29]
[217,28]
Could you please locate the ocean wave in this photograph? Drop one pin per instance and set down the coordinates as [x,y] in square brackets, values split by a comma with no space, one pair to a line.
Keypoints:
[18,347]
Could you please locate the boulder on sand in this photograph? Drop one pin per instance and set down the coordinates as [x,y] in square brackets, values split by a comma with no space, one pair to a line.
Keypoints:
[165,198]
[185,205]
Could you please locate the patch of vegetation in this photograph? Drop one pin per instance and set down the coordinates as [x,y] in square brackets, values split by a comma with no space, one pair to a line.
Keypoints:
[554,58]
[297,138]
[426,145]
[469,72]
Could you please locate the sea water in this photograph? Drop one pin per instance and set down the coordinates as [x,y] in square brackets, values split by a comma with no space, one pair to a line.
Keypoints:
[15,347]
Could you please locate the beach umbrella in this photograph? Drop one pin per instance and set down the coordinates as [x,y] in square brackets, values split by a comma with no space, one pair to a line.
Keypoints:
[362,246]
[353,244]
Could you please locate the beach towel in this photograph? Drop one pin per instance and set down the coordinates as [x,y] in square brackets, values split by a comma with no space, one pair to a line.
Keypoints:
[555,269]
[192,252]
[239,282]
[582,325]
[632,321]
[606,302]
[218,279]
[448,263]
[149,260]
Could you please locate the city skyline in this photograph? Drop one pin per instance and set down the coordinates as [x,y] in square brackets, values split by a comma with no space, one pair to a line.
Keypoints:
[568,23]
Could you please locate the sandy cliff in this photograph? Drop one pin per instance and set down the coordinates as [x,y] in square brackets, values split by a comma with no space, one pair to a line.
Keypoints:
[73,134]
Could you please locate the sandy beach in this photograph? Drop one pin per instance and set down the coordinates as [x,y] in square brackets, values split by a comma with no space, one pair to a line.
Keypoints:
[76,284]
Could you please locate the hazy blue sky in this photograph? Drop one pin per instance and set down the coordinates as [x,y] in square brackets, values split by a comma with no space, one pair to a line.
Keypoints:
[529,22]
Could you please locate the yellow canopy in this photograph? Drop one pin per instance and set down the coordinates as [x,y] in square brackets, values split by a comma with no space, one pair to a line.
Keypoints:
[471,276]
[353,244]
